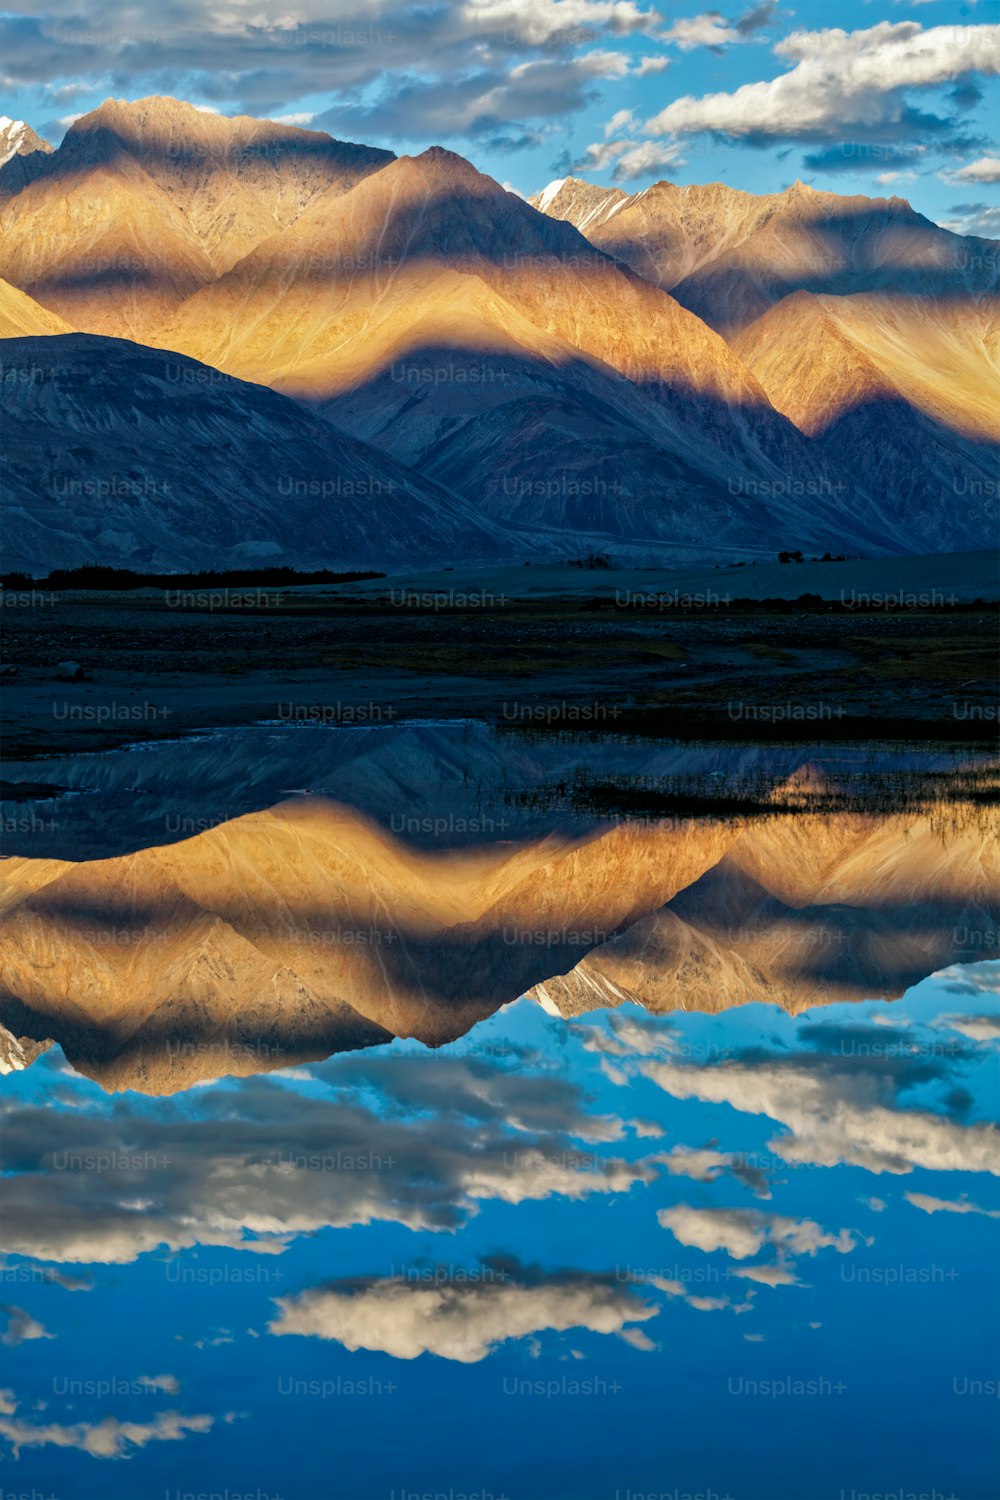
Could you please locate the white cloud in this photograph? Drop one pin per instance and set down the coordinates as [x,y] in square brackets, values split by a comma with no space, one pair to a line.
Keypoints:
[445,1141]
[836,1117]
[841,82]
[982,220]
[706,1164]
[777,1274]
[299,119]
[984,1028]
[742,1232]
[459,1321]
[707,30]
[978,978]
[265,59]
[944,1205]
[630,159]
[649,65]
[538,22]
[108,1438]
[620,121]
[699,1165]
[986,169]
[69,91]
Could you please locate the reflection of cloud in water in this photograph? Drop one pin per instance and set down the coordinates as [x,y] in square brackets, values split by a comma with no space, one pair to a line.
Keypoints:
[972,979]
[838,1105]
[21,1326]
[259,1165]
[932,1205]
[463,1320]
[742,1232]
[108,1438]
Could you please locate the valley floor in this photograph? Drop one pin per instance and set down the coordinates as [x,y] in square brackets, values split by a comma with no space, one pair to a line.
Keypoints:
[860,649]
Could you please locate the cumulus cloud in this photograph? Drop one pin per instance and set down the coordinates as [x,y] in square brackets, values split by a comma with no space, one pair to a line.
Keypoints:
[254,1169]
[840,82]
[167,1383]
[539,22]
[837,1113]
[629,159]
[268,60]
[986,169]
[623,119]
[649,65]
[706,1164]
[476,105]
[24,1271]
[838,1094]
[742,1232]
[980,220]
[462,1321]
[707,30]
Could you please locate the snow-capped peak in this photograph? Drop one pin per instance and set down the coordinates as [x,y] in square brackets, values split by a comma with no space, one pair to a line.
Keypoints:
[546,196]
[18,138]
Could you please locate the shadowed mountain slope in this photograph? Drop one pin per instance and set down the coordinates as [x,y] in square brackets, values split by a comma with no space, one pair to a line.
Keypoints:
[427,308]
[118,453]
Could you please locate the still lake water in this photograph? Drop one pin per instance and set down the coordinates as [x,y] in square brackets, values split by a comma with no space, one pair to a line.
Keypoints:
[582,1249]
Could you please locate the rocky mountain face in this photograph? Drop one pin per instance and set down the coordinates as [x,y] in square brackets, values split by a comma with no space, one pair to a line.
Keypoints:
[145,202]
[120,454]
[438,316]
[905,392]
[575,383]
[874,330]
[729,256]
[306,929]
[801,912]
[22,317]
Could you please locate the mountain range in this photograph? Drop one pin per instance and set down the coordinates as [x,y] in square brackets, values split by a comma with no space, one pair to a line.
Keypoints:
[307,928]
[678,374]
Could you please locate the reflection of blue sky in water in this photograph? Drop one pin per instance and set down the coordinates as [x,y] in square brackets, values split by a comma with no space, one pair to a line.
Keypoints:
[555,1260]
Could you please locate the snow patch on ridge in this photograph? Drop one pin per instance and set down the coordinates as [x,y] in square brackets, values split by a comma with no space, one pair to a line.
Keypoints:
[11,136]
[546,196]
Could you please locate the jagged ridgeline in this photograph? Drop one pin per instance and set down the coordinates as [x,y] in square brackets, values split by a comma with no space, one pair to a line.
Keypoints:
[457,375]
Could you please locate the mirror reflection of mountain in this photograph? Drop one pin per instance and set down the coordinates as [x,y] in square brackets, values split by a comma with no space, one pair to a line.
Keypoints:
[583,876]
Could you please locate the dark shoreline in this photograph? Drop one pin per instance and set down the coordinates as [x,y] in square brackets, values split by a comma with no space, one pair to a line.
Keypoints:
[531,666]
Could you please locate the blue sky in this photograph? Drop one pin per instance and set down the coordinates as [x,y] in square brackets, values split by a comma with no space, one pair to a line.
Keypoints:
[900,96]
[534,1283]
